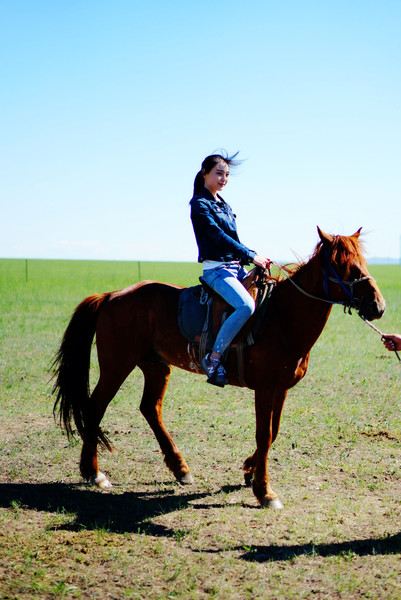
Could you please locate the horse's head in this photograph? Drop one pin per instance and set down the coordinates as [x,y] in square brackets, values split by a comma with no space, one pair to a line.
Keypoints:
[346,278]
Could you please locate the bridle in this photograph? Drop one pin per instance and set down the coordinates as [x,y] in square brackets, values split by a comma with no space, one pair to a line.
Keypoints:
[330,275]
[348,287]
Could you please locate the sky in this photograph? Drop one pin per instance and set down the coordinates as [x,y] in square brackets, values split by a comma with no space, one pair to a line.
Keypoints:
[107,109]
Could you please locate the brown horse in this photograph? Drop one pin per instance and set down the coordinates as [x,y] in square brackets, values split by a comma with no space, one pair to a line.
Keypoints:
[137,326]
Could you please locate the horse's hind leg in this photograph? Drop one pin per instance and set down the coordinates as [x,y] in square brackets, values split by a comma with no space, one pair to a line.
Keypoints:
[102,395]
[248,469]
[157,375]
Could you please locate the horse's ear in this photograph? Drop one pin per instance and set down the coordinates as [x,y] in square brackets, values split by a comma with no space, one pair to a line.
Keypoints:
[326,238]
[357,233]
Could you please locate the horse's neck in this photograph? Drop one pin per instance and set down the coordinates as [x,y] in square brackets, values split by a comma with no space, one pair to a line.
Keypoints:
[310,276]
[305,316]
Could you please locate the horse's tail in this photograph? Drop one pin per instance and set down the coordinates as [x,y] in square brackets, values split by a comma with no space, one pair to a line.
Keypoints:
[71,368]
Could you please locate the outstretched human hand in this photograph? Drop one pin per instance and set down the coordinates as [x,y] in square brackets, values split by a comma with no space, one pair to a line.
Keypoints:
[392,341]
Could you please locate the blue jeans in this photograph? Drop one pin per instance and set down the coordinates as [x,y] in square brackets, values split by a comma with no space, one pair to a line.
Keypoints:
[226,281]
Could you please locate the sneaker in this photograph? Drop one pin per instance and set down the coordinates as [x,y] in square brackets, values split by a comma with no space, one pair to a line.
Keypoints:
[216,373]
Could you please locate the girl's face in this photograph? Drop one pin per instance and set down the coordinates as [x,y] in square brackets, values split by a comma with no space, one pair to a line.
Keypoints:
[217,178]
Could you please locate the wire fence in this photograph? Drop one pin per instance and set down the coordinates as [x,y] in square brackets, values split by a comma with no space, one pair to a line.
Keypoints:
[117,273]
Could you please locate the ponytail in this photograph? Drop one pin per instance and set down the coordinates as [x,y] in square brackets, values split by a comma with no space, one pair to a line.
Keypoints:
[199,183]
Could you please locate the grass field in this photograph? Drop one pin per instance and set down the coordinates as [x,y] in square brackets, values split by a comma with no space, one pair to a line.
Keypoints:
[335,465]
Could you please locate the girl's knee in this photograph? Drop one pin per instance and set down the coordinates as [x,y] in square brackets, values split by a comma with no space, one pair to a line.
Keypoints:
[249,307]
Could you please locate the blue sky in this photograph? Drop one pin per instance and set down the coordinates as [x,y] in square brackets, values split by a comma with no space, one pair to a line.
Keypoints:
[108,108]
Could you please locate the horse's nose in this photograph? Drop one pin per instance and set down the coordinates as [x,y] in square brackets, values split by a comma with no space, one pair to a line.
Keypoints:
[373,310]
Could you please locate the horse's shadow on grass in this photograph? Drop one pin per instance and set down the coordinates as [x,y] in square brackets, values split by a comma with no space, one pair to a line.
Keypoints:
[132,512]
[117,513]
[364,547]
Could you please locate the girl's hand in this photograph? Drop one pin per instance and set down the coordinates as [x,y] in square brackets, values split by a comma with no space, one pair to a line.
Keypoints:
[261,261]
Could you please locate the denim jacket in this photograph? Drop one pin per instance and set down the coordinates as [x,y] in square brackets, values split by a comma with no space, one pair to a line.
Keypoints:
[216,230]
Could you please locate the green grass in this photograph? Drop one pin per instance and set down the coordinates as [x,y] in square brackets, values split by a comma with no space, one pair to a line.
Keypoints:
[335,465]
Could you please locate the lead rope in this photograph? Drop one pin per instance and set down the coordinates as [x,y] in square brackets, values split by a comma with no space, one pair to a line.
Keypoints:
[377,330]
[368,323]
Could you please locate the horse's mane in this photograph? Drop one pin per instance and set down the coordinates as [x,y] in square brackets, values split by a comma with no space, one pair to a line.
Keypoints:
[342,251]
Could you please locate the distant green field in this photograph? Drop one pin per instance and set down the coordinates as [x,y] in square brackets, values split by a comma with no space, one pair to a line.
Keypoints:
[74,278]
[92,275]
[335,464]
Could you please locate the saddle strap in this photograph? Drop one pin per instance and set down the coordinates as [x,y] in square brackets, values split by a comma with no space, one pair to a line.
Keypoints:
[204,338]
[239,348]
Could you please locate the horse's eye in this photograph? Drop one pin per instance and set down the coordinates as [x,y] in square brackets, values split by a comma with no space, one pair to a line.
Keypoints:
[354,273]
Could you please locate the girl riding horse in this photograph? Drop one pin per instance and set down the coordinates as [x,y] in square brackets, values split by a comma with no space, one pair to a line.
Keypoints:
[222,256]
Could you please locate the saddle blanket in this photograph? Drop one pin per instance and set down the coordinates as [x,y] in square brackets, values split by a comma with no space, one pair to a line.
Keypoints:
[193,307]
[195,321]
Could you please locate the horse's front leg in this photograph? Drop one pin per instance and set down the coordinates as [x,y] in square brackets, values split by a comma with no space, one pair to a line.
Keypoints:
[250,462]
[268,406]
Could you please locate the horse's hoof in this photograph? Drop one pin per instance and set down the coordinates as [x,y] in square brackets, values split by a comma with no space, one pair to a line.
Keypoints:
[102,482]
[185,479]
[274,503]
[248,479]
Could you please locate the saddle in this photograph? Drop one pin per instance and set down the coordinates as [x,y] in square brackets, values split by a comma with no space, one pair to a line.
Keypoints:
[201,313]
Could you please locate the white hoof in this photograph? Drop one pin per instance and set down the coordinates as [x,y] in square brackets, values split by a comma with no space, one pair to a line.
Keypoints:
[275,503]
[186,479]
[102,482]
